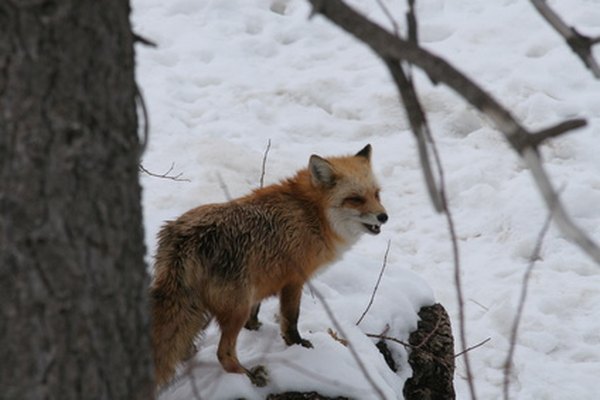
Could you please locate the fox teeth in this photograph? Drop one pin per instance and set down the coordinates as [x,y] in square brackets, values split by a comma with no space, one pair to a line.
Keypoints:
[375,229]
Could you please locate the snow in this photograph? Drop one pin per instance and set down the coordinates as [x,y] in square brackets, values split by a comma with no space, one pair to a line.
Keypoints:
[229,75]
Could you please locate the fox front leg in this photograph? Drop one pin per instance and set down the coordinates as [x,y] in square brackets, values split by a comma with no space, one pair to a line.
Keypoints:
[253,323]
[289,299]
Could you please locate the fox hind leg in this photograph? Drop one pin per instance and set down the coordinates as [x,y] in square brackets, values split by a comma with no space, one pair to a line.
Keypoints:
[231,323]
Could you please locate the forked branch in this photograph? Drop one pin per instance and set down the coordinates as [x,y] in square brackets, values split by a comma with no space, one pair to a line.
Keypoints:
[580,44]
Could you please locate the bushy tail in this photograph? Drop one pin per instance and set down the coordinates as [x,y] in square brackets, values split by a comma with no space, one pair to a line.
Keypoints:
[178,315]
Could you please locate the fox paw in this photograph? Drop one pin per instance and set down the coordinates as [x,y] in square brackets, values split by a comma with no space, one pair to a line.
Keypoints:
[258,376]
[298,340]
[253,324]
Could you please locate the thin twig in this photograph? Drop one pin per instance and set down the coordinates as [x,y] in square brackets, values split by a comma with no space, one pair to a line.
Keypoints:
[479,304]
[430,334]
[524,287]
[223,187]
[472,347]
[419,346]
[165,175]
[264,164]
[146,42]
[390,338]
[389,16]
[457,272]
[385,256]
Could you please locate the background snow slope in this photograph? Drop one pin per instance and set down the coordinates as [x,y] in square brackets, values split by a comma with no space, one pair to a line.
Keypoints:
[228,75]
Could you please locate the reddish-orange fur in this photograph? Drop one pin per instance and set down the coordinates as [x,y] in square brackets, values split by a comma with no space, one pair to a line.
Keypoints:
[219,260]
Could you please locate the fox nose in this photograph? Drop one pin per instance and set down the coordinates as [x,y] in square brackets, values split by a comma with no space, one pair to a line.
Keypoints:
[383,217]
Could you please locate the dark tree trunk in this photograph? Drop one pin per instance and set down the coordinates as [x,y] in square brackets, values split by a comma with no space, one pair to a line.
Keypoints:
[74,321]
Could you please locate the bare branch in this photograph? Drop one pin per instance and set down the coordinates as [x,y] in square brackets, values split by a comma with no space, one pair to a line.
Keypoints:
[224,187]
[418,347]
[142,40]
[419,127]
[390,338]
[424,341]
[165,175]
[389,16]
[524,286]
[465,351]
[457,266]
[430,334]
[457,276]
[562,220]
[411,21]
[264,164]
[387,46]
[414,110]
[537,138]
[385,256]
[580,44]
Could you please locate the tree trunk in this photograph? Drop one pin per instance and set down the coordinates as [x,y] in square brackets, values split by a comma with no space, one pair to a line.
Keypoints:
[74,321]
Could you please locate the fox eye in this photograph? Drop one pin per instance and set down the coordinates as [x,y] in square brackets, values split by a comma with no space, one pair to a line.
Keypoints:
[355,200]
[377,195]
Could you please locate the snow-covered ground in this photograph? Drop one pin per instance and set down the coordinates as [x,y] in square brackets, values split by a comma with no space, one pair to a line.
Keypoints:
[230,75]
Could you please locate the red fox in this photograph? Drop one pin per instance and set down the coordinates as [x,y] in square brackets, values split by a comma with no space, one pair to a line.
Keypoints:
[220,260]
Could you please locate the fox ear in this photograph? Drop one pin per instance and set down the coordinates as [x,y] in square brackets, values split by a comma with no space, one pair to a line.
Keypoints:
[321,171]
[365,152]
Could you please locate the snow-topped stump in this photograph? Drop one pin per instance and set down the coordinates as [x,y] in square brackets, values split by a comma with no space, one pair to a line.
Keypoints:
[431,358]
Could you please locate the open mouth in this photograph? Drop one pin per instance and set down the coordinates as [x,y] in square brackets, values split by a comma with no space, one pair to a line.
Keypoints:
[374,229]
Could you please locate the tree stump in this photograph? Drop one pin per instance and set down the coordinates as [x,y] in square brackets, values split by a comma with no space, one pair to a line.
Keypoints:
[431,357]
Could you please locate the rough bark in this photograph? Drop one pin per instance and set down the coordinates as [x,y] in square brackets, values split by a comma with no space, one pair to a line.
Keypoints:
[73,282]
[431,357]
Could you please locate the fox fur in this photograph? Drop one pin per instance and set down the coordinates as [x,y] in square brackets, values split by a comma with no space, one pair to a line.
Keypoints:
[220,260]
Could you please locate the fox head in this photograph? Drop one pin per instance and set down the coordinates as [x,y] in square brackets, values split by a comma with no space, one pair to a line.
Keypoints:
[351,191]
